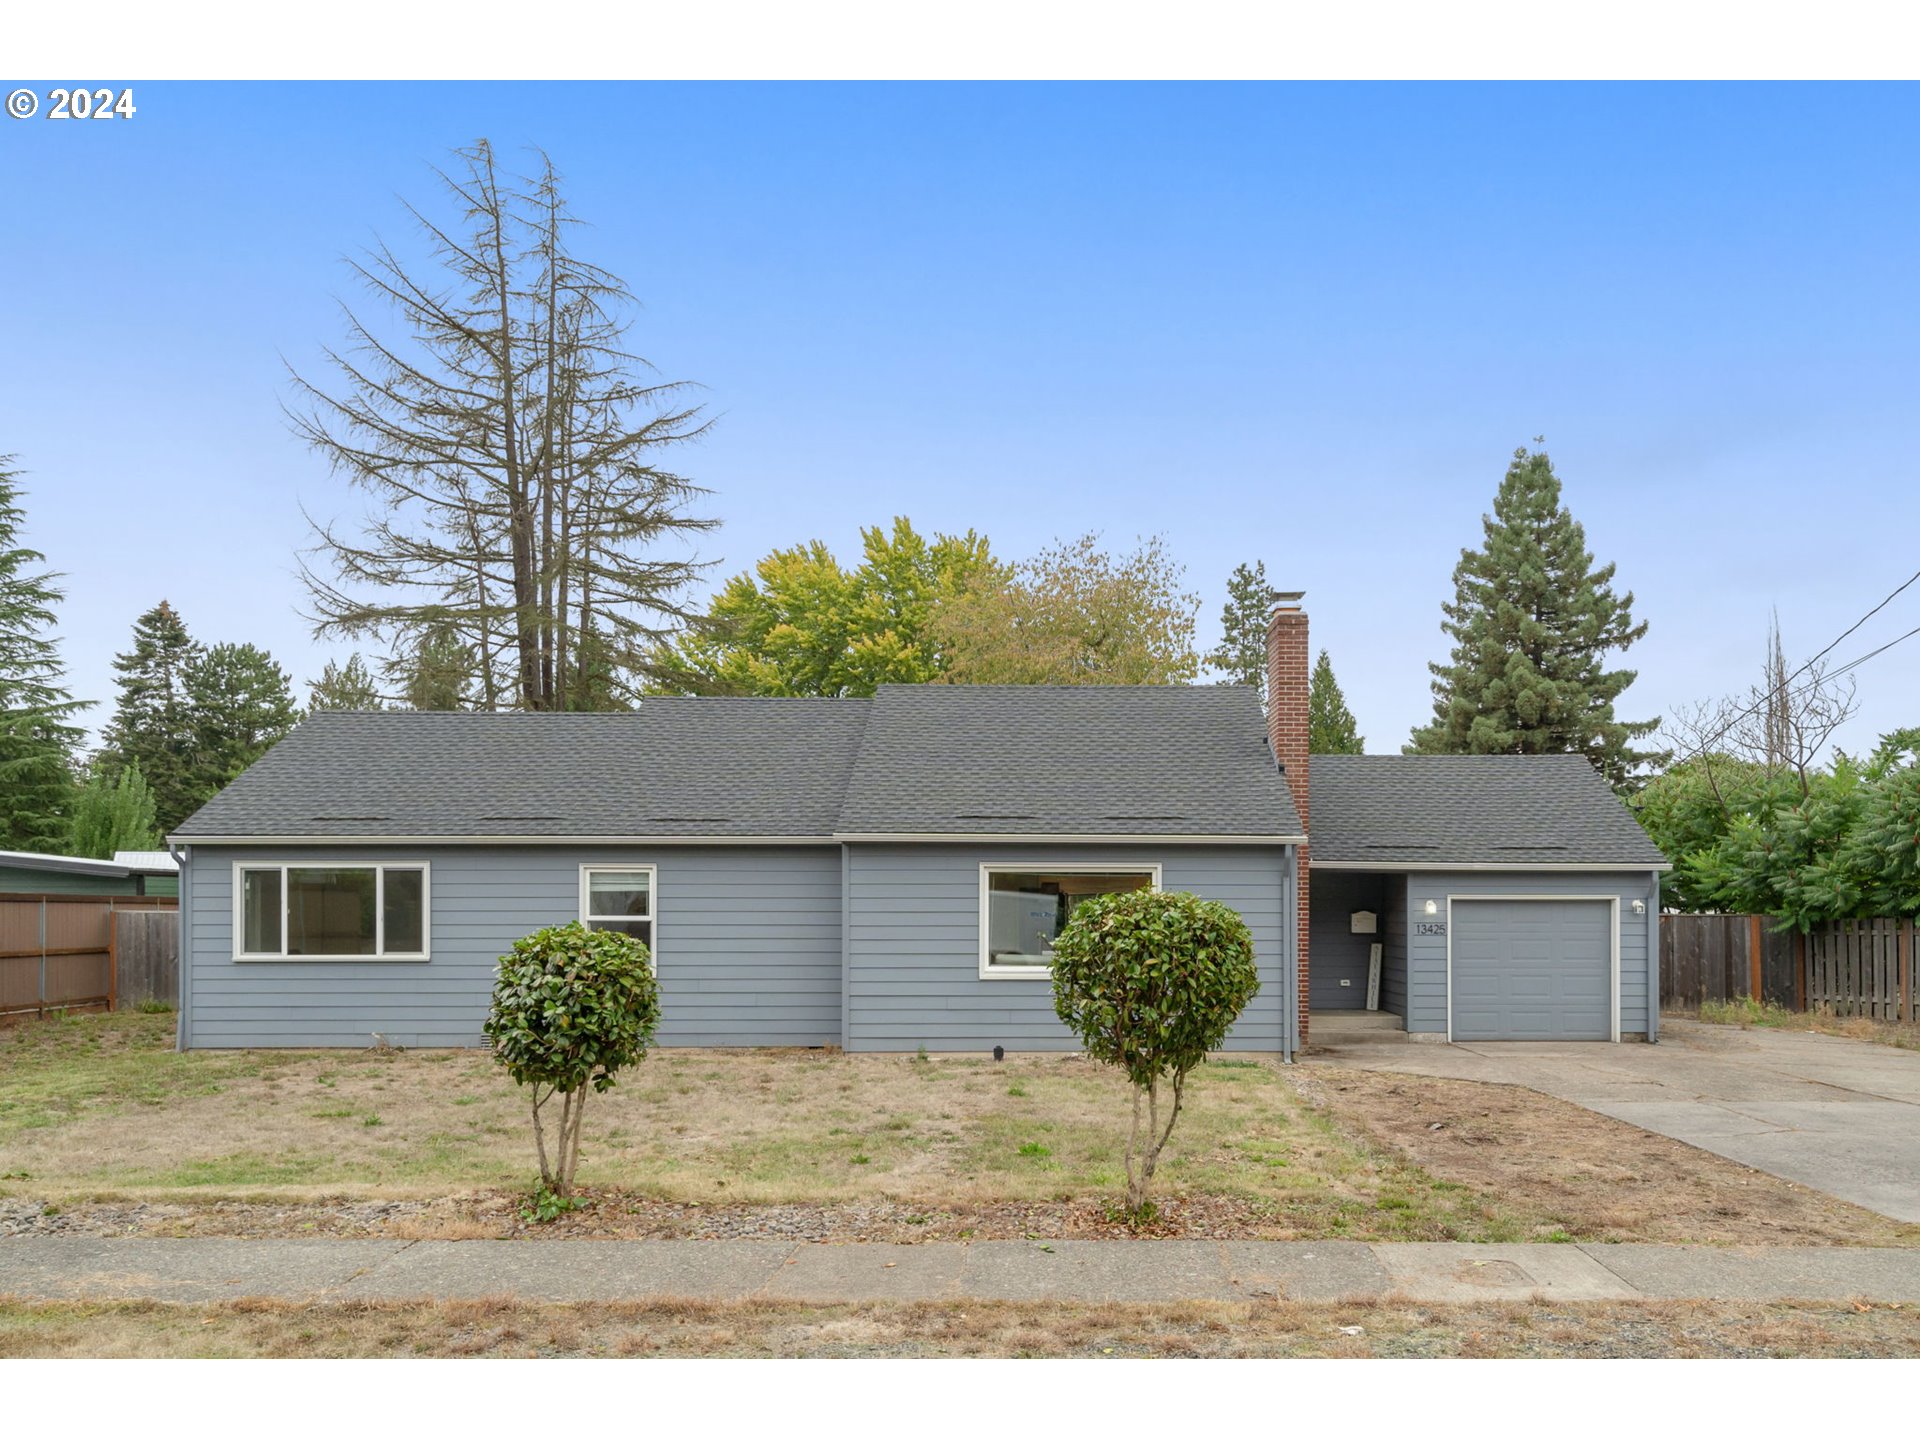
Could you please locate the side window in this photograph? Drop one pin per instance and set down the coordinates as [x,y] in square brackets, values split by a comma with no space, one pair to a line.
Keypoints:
[330,912]
[618,898]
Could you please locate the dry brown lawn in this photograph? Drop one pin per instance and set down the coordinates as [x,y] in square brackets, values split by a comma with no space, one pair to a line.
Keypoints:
[102,1120]
[1386,1329]
[1613,1181]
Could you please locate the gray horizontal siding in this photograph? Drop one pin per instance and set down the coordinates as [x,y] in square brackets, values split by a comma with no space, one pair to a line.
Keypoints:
[1427,954]
[1393,947]
[748,942]
[913,942]
[1334,952]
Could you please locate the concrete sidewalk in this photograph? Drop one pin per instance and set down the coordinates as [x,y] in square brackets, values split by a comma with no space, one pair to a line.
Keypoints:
[199,1270]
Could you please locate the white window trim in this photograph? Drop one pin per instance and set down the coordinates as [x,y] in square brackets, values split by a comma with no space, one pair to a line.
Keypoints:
[1613,914]
[990,971]
[653,902]
[380,955]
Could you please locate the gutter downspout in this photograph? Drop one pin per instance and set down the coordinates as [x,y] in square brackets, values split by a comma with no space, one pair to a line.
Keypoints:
[1290,960]
[1653,958]
[182,857]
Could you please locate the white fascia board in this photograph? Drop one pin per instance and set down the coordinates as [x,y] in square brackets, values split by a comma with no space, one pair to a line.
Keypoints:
[1396,867]
[629,840]
[882,837]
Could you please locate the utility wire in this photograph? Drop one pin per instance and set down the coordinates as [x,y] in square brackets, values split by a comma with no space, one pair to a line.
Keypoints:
[1784,692]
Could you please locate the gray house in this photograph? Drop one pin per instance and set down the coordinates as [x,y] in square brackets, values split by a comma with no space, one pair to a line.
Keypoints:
[887,874]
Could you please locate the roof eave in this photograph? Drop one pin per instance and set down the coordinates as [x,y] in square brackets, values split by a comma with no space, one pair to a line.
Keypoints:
[919,837]
[181,839]
[1396,866]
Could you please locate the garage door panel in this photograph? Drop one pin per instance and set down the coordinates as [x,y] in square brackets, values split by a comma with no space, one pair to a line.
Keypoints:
[1532,970]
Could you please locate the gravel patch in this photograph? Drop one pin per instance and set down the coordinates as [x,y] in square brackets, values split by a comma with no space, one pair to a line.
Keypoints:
[612,1215]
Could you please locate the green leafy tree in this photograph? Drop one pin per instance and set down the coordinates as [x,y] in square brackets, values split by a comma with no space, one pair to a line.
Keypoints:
[1883,850]
[1690,809]
[1241,655]
[1804,846]
[1533,621]
[572,1008]
[242,705]
[1151,982]
[37,736]
[1073,615]
[113,812]
[1331,728]
[346,687]
[801,624]
[153,722]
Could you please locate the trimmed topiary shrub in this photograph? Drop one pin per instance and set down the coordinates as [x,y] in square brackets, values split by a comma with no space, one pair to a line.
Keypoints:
[1150,982]
[572,1007]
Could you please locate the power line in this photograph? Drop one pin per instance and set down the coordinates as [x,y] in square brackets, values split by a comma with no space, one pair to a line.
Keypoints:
[1784,692]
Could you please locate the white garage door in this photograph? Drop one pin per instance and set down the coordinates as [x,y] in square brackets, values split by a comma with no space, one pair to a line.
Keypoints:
[1532,970]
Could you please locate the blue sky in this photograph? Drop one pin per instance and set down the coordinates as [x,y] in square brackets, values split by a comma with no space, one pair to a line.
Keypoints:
[1303,323]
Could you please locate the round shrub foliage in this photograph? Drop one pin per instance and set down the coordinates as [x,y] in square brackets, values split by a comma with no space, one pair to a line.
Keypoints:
[1152,980]
[572,1007]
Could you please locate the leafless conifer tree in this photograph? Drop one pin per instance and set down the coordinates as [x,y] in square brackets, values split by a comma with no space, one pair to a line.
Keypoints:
[510,447]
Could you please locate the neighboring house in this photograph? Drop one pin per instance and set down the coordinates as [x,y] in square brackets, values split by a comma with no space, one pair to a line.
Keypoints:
[887,874]
[130,872]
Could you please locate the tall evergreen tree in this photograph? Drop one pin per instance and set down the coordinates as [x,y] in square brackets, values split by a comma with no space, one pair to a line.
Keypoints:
[113,812]
[1331,728]
[242,703]
[346,687]
[1532,621]
[152,724]
[437,673]
[1241,655]
[36,709]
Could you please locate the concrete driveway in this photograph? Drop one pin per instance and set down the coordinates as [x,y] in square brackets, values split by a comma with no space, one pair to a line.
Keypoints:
[1837,1115]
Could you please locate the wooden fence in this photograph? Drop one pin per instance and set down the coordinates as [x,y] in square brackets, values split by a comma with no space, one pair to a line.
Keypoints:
[146,957]
[58,952]
[1725,957]
[1865,968]
[1846,967]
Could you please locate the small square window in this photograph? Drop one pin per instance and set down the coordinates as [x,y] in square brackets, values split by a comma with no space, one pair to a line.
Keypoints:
[620,900]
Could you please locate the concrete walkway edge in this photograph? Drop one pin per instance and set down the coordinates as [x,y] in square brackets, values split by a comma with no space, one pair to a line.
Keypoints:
[194,1271]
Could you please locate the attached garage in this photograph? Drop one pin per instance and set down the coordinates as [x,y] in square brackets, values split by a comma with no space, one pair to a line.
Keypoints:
[1506,897]
[1533,969]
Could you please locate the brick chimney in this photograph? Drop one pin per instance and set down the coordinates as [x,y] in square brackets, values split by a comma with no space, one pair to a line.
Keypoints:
[1287,732]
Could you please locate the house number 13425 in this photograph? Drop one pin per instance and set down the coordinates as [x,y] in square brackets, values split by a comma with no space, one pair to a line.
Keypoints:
[1430,927]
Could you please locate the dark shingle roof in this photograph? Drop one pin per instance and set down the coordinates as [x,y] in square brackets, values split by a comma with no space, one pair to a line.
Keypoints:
[1066,760]
[676,766]
[1471,810]
[935,759]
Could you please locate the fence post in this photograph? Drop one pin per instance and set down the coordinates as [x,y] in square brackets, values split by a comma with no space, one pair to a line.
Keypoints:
[1904,959]
[113,956]
[1753,957]
[1800,969]
[41,1012]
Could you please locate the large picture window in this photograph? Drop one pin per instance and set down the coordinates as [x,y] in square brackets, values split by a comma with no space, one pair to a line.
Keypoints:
[1022,908]
[618,897]
[330,912]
